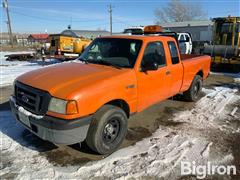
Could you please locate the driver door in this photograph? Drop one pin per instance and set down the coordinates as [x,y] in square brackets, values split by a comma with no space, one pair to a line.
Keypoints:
[153,85]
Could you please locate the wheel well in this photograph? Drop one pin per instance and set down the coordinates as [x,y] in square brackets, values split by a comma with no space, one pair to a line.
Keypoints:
[200,73]
[122,104]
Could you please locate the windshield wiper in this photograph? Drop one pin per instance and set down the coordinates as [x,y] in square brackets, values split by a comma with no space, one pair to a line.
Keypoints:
[109,63]
[83,60]
[86,61]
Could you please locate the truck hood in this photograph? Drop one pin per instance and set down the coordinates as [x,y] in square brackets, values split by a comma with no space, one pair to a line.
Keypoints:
[61,80]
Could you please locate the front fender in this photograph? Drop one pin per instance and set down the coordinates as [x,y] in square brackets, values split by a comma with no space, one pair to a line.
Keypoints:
[91,103]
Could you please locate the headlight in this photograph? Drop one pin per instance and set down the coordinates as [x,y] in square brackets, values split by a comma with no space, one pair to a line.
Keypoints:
[57,105]
[63,106]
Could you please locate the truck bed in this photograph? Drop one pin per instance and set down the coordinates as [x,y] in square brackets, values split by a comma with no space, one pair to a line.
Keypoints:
[192,65]
[185,57]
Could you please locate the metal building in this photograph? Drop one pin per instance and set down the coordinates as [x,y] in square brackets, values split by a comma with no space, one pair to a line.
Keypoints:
[201,31]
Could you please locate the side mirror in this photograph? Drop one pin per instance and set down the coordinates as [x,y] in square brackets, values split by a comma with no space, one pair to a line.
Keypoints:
[149,66]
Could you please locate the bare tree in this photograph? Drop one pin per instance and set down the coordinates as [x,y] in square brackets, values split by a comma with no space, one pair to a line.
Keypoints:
[178,11]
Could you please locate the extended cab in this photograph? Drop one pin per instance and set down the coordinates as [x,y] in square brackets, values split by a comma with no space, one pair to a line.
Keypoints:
[92,98]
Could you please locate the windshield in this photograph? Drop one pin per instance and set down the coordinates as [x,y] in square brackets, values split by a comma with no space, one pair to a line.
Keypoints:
[112,51]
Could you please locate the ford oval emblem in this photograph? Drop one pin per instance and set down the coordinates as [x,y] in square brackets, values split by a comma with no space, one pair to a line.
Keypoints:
[25,98]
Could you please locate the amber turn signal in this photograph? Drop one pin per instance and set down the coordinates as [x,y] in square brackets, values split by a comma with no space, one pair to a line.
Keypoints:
[71,107]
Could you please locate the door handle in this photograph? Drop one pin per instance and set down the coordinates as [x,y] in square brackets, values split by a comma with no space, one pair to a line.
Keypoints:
[168,72]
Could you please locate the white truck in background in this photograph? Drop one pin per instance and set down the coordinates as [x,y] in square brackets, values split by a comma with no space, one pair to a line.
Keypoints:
[184,38]
[185,43]
[134,30]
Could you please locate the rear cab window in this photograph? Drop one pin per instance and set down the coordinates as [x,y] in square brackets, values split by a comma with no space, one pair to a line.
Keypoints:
[173,52]
[155,52]
[182,37]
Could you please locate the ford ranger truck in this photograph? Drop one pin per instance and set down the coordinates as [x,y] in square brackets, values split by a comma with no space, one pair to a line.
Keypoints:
[91,99]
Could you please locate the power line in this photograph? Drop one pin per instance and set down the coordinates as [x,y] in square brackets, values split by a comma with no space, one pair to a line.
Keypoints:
[36,17]
[50,19]
[60,20]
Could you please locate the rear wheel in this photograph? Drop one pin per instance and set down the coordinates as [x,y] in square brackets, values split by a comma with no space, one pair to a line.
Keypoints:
[107,130]
[192,94]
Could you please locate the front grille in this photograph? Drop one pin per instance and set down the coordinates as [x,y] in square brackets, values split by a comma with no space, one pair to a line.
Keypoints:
[32,99]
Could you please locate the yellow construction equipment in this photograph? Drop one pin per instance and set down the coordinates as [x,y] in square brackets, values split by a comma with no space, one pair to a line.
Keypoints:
[225,47]
[63,44]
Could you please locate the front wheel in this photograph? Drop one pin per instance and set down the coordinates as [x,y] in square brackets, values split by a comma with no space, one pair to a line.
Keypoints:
[192,94]
[107,130]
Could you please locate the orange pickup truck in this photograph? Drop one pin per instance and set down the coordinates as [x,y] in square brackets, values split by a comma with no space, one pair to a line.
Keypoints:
[91,98]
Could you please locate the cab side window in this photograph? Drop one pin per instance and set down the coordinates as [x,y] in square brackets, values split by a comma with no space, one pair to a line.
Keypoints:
[154,52]
[174,52]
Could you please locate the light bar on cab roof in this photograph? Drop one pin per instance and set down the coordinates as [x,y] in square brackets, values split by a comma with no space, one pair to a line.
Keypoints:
[153,29]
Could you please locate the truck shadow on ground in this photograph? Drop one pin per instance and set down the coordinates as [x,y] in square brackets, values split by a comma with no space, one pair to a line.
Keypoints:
[180,97]
[5,106]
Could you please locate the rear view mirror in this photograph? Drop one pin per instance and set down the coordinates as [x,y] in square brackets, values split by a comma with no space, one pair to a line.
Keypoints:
[149,66]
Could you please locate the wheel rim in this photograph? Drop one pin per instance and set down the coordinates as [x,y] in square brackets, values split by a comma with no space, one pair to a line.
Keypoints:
[111,130]
[196,89]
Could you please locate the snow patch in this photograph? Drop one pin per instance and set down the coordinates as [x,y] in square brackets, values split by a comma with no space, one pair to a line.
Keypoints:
[9,70]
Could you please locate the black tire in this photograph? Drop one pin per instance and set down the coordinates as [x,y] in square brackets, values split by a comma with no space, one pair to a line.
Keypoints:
[109,121]
[192,94]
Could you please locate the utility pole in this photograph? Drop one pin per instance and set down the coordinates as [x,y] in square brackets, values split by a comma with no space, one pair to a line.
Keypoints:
[5,5]
[110,14]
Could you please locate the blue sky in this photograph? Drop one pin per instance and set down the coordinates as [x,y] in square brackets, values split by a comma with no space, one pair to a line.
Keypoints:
[36,16]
